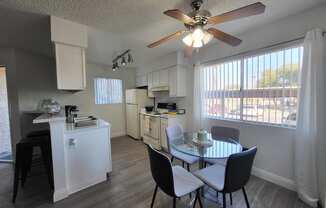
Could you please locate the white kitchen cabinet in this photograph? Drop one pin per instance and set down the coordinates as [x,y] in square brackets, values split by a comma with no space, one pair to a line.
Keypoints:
[142,125]
[156,79]
[70,63]
[150,80]
[87,158]
[173,79]
[141,80]
[150,85]
[163,137]
[164,77]
[70,41]
[177,81]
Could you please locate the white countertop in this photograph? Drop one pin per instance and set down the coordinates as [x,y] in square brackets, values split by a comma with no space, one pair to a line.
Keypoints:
[70,128]
[164,115]
[46,118]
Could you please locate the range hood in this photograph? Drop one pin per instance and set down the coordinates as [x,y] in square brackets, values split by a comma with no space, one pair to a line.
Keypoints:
[160,89]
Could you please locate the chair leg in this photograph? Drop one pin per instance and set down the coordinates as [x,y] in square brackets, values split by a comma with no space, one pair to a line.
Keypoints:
[224,201]
[196,197]
[183,164]
[245,195]
[47,163]
[231,201]
[172,158]
[16,174]
[174,202]
[199,200]
[188,167]
[26,164]
[216,194]
[154,195]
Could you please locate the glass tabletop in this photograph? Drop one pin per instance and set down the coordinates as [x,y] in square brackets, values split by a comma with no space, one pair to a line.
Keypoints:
[218,147]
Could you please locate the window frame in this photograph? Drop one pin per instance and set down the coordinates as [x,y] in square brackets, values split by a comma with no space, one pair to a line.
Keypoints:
[241,57]
[108,101]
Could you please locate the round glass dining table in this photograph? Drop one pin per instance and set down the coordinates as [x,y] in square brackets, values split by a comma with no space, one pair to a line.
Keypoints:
[219,148]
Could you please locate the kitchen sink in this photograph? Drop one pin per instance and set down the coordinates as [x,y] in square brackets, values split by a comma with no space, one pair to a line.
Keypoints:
[90,121]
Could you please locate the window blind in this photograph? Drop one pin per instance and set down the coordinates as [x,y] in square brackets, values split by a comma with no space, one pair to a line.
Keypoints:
[108,91]
[257,88]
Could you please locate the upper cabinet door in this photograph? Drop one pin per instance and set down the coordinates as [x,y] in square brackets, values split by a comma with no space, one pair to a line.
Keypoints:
[177,81]
[156,79]
[70,61]
[164,77]
[173,87]
[150,80]
[141,81]
[70,41]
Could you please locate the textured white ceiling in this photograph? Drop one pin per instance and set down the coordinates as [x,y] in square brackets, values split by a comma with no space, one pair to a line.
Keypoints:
[139,22]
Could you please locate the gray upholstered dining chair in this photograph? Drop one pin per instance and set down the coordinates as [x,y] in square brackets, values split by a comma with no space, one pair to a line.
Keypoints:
[175,132]
[175,181]
[232,177]
[222,133]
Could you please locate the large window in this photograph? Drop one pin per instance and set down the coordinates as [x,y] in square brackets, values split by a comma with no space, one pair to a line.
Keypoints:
[257,88]
[108,91]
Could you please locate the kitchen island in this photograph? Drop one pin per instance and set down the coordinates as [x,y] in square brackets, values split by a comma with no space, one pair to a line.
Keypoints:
[81,156]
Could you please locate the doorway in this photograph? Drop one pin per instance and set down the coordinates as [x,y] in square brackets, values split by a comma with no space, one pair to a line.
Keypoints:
[5,138]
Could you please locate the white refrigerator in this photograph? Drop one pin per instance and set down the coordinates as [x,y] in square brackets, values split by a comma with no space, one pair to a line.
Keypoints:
[136,99]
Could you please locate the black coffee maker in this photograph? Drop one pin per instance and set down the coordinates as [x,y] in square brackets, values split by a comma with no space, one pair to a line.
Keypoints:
[70,113]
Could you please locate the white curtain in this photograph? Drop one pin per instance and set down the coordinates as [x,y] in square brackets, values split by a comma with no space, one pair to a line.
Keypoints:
[199,121]
[311,117]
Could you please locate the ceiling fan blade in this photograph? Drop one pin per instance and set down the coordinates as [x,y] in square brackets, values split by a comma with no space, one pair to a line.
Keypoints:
[179,15]
[250,10]
[166,38]
[222,36]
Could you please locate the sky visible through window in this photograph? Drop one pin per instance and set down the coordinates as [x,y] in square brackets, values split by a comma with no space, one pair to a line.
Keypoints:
[228,74]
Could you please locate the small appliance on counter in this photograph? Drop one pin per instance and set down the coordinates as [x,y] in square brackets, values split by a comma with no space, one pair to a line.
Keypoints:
[164,108]
[70,113]
[149,108]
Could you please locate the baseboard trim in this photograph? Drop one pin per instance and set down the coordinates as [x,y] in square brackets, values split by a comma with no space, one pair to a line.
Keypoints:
[60,194]
[118,134]
[273,178]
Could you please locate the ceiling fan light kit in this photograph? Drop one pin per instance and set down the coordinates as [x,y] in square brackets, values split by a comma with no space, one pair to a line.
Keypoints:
[195,22]
[197,38]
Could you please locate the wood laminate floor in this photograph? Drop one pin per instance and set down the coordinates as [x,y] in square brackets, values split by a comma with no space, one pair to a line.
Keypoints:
[131,186]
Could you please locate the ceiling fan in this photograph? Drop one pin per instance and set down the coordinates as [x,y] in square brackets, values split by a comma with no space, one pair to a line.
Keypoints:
[196,20]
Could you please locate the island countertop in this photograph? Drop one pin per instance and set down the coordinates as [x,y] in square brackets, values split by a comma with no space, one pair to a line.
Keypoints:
[46,118]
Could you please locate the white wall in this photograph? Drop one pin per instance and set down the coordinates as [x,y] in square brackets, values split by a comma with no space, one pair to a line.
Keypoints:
[36,79]
[275,156]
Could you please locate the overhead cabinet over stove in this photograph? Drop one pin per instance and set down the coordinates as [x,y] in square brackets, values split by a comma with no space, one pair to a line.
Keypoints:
[70,40]
[171,79]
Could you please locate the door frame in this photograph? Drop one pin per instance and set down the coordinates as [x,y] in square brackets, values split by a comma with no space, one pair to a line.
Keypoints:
[9,115]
